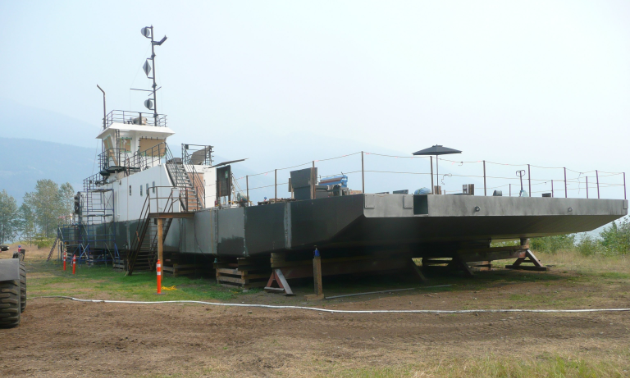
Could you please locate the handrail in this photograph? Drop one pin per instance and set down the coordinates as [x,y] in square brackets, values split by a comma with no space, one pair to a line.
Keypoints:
[134,118]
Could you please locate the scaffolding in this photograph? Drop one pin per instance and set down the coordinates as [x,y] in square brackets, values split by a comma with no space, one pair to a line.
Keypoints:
[92,237]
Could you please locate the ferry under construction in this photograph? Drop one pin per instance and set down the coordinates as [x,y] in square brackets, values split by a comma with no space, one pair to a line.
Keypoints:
[147,203]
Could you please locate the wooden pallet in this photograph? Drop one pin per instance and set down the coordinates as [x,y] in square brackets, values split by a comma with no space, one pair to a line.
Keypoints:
[177,269]
[119,265]
[245,273]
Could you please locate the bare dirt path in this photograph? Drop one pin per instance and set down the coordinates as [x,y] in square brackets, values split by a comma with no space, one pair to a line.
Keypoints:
[61,338]
[64,338]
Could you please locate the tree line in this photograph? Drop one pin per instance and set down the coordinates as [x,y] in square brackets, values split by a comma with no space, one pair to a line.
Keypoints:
[40,213]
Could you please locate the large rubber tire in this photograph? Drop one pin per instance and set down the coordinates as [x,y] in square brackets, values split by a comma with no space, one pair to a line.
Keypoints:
[10,304]
[22,287]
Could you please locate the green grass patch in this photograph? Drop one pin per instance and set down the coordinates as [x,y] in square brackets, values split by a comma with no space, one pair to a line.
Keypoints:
[493,366]
[615,275]
[100,282]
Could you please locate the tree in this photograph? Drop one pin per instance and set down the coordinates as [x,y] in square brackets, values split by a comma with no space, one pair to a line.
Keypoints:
[9,219]
[28,227]
[49,202]
[66,194]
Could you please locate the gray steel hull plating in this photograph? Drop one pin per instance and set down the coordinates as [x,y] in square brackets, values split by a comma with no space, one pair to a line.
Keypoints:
[365,221]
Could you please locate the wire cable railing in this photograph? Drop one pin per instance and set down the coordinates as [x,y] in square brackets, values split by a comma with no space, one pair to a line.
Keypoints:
[564,182]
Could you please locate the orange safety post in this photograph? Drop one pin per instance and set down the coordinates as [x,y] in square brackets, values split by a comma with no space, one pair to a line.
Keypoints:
[64,260]
[74,264]
[158,270]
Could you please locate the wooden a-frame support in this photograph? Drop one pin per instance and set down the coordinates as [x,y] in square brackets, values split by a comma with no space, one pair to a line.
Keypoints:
[278,278]
[529,258]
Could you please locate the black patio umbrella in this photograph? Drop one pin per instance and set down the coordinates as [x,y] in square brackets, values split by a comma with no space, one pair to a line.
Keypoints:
[436,150]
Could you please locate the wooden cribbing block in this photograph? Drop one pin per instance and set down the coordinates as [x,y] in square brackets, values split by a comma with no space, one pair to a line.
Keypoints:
[227,275]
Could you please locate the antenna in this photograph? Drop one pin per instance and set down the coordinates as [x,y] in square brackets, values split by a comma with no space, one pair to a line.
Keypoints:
[104,108]
[520,174]
[151,103]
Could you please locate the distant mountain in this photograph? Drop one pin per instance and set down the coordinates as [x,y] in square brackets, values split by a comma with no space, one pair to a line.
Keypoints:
[21,121]
[24,161]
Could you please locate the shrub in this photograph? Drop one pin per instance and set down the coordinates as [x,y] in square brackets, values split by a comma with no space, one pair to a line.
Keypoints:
[587,245]
[615,239]
[553,244]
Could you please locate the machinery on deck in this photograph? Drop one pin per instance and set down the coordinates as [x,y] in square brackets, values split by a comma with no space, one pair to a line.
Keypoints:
[12,288]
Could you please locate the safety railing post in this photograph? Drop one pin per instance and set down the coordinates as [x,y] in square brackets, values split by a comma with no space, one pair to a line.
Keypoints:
[485,193]
[624,186]
[529,179]
[586,187]
[275,185]
[432,187]
[566,193]
[362,174]
[552,189]
[247,186]
[597,179]
[313,178]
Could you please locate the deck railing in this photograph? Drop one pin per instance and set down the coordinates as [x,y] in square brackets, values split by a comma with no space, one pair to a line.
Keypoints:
[135,118]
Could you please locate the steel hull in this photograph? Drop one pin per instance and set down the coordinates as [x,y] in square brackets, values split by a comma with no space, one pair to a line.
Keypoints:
[422,223]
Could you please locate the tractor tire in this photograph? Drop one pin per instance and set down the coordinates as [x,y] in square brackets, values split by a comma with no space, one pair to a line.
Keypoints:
[22,287]
[10,304]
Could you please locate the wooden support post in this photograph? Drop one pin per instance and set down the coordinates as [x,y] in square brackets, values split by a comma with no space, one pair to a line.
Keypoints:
[160,237]
[317,278]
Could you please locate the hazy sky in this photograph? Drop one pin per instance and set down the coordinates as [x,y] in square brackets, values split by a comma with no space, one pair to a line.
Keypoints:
[540,82]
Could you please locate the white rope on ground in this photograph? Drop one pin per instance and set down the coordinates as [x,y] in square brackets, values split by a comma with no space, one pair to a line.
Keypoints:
[339,311]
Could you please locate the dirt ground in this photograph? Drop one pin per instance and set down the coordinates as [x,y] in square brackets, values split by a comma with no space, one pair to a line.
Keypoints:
[61,338]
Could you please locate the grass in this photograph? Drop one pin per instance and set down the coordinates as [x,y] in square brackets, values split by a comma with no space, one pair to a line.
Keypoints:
[105,283]
[496,366]
[570,267]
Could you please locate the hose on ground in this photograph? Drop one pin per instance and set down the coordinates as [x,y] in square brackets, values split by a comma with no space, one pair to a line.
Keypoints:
[279,307]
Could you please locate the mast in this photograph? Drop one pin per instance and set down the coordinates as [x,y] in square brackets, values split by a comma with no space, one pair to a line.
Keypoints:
[148,33]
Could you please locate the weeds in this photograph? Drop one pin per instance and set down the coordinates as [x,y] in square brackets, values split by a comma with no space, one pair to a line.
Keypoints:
[613,240]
